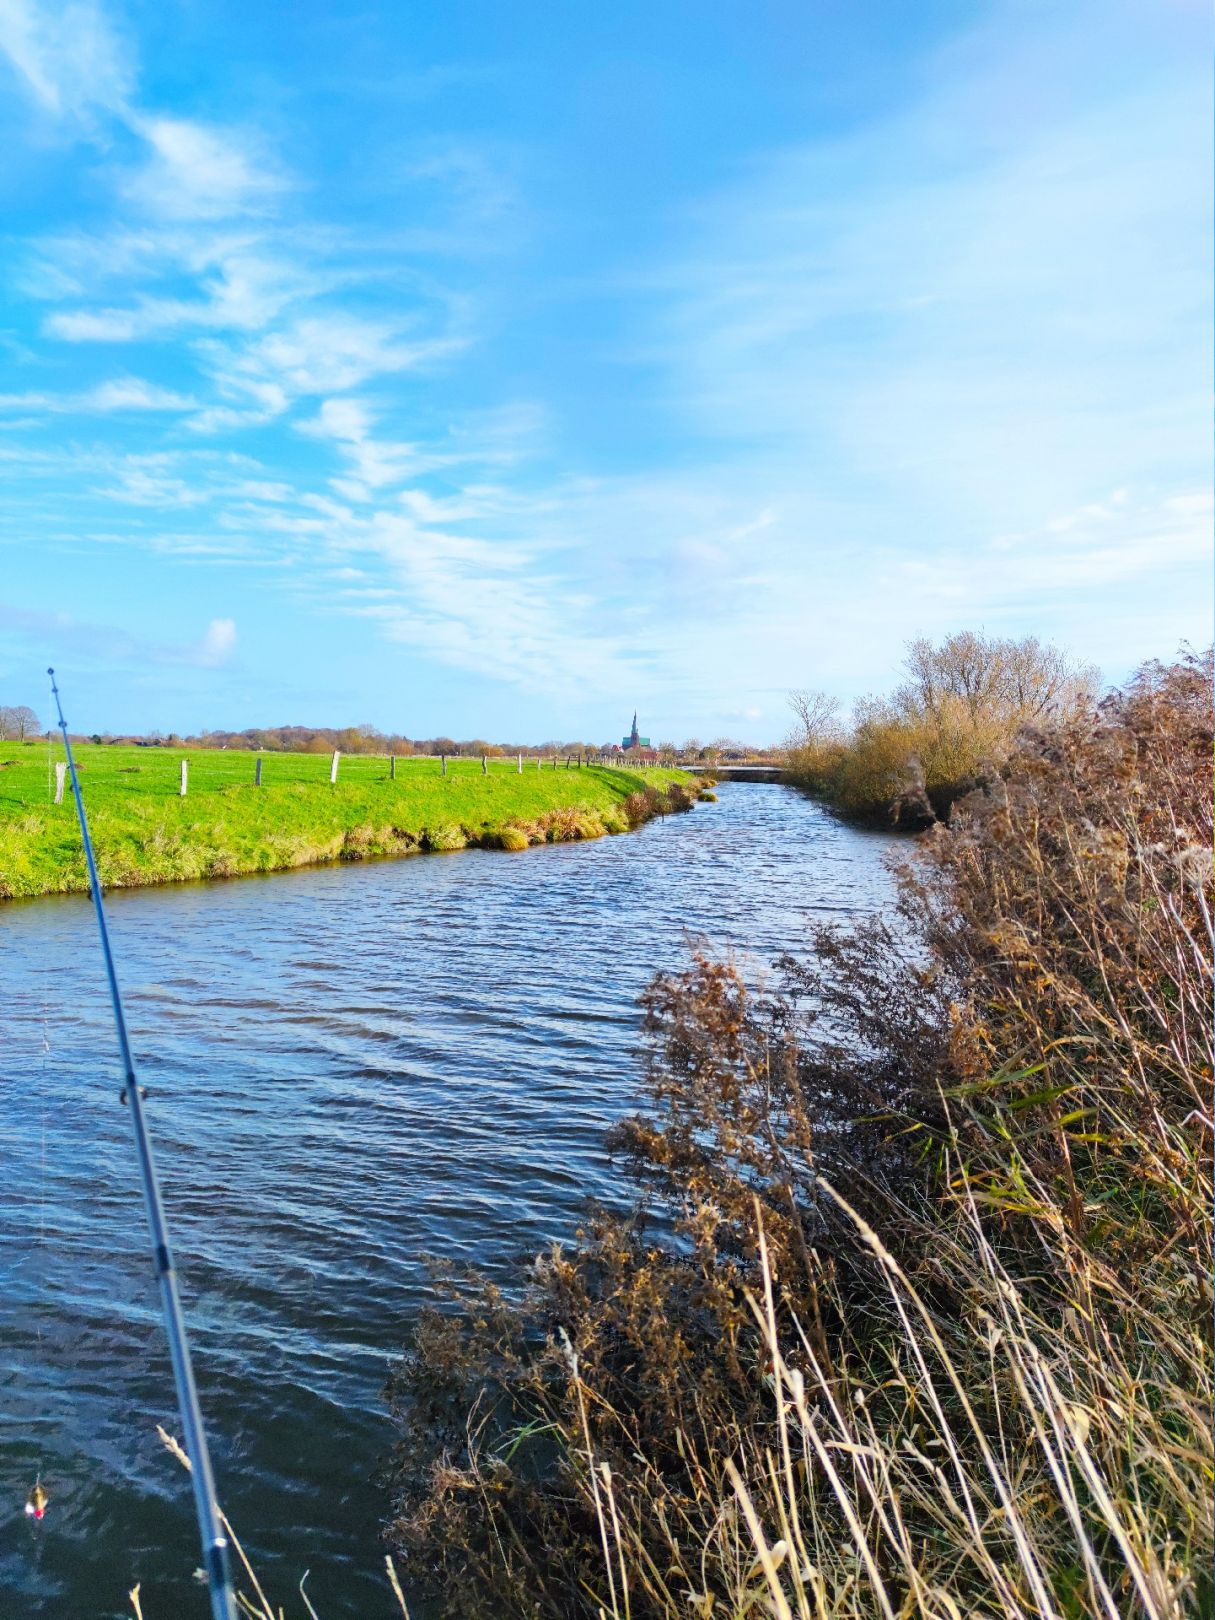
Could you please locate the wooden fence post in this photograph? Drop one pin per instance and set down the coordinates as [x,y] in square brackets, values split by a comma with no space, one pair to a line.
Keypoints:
[185,778]
[257,772]
[484,766]
[60,776]
[333,764]
[520,764]
[443,763]
[392,767]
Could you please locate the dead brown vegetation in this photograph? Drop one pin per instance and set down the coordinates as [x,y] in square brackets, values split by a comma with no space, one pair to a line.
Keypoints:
[913,1315]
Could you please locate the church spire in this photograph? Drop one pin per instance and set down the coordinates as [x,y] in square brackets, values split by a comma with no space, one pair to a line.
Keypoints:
[634,738]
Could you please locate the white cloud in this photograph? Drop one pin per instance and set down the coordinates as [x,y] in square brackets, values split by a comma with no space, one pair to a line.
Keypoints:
[74,64]
[196,172]
[243,286]
[119,394]
[373,463]
[153,487]
[218,644]
[331,352]
[346,420]
[68,56]
[133,394]
[95,326]
[474,502]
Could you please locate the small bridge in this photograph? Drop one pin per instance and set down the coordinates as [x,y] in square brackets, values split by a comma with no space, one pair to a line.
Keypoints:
[741,773]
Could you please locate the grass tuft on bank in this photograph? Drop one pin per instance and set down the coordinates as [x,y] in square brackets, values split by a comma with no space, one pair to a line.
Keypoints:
[146,833]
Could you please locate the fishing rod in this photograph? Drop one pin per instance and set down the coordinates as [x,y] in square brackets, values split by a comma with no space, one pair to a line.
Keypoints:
[210,1526]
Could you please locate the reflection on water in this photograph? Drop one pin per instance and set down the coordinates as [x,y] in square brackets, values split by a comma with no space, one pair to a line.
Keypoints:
[349,1068]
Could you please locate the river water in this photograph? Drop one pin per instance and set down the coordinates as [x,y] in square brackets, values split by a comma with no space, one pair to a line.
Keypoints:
[349,1068]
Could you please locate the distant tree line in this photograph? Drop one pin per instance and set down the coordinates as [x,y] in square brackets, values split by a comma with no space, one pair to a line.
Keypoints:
[369,739]
[364,739]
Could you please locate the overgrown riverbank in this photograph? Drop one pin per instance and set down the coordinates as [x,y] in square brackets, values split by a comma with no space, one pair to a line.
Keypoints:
[947,728]
[931,1332]
[146,833]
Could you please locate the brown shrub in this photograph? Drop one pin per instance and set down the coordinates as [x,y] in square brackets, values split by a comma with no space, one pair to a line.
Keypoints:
[652,801]
[638,808]
[681,796]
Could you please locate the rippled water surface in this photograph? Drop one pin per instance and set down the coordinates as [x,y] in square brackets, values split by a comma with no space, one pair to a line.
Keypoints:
[349,1068]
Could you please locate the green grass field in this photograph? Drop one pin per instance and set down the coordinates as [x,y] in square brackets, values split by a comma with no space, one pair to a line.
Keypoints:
[144,832]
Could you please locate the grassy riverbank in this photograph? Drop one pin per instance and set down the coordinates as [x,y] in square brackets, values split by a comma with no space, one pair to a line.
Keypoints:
[913,1318]
[146,833]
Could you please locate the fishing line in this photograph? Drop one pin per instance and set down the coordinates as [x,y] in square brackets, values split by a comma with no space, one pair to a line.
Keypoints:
[35,1502]
[210,1528]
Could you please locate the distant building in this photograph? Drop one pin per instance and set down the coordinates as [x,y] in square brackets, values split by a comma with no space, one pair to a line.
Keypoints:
[634,740]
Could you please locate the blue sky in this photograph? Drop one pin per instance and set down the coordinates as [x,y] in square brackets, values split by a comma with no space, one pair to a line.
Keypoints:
[498,368]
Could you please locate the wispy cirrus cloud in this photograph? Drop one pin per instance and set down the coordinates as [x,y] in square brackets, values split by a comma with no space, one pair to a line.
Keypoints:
[118,394]
[324,353]
[372,463]
[75,65]
[199,264]
[195,172]
[70,57]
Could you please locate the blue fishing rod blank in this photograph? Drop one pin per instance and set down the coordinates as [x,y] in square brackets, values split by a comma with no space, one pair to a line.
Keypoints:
[210,1525]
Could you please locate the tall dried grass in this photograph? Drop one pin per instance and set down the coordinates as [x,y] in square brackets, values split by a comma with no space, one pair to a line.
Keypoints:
[914,1315]
[251,1600]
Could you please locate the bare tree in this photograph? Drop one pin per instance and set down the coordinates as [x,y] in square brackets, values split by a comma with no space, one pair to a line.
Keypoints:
[992,677]
[816,714]
[1039,679]
[18,721]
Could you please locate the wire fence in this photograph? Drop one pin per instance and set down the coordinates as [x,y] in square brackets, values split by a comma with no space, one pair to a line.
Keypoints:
[28,772]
